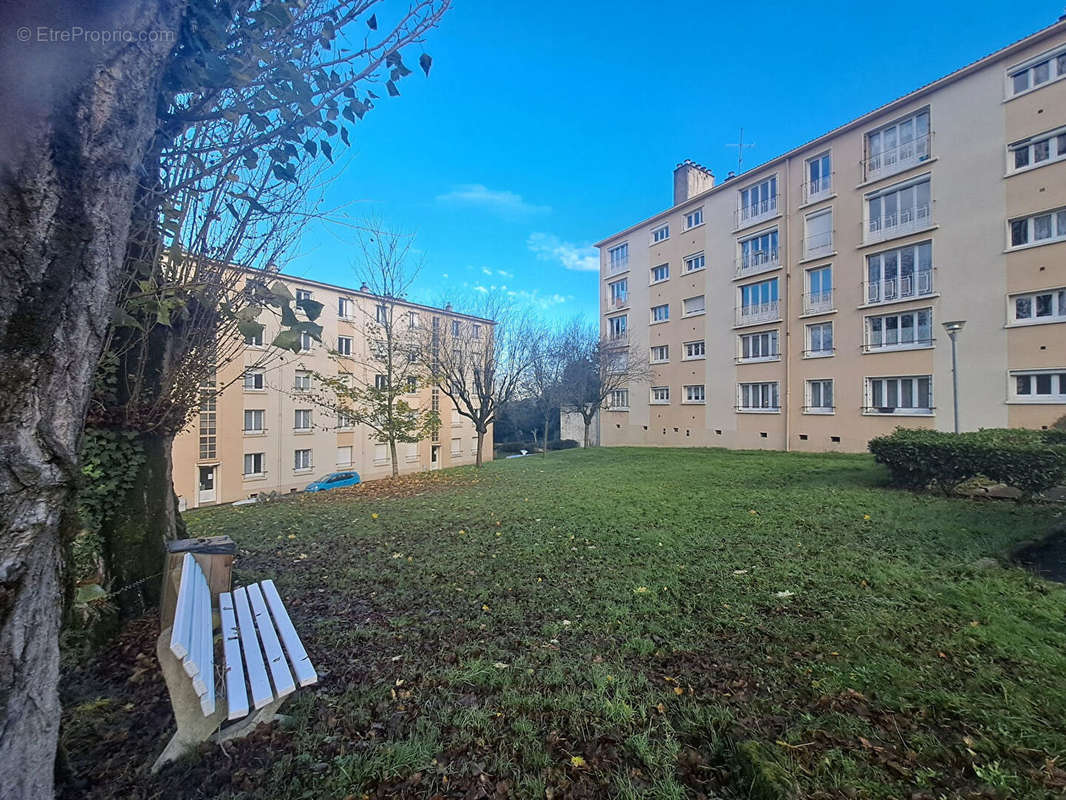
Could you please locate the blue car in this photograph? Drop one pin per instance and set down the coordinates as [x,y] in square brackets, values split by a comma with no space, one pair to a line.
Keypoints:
[334,481]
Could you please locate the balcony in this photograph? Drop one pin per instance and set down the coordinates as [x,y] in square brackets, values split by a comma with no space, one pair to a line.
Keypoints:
[616,265]
[902,287]
[818,302]
[756,212]
[899,223]
[896,159]
[759,312]
[758,261]
[618,339]
[817,245]
[618,302]
[818,188]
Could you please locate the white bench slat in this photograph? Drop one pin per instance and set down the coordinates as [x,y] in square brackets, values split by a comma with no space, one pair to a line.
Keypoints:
[181,630]
[301,662]
[191,662]
[205,652]
[253,657]
[279,669]
[236,692]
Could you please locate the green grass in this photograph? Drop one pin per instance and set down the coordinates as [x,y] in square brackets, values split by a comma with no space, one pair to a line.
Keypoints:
[662,623]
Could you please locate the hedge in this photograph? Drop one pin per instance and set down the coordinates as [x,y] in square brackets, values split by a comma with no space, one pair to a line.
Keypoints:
[1030,461]
[517,447]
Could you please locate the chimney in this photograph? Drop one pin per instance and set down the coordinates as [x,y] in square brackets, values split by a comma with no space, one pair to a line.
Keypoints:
[690,179]
[448,307]
[364,288]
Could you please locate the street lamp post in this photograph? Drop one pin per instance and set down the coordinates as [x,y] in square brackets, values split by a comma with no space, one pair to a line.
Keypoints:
[953,327]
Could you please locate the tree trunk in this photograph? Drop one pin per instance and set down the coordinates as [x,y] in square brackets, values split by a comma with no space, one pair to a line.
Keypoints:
[392,455]
[86,115]
[588,439]
[547,422]
[480,443]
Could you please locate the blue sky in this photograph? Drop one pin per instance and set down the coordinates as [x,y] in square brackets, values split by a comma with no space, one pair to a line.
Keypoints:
[547,126]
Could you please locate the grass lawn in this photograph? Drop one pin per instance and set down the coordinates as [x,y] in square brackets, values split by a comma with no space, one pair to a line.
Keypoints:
[638,622]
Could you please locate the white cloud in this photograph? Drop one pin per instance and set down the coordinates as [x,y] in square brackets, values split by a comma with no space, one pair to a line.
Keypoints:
[504,273]
[502,202]
[541,301]
[486,271]
[550,247]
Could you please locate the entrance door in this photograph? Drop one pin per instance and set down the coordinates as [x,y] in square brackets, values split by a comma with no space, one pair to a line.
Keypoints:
[434,456]
[207,485]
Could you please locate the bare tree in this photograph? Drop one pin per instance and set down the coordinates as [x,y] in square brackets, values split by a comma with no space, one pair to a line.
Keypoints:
[549,357]
[598,367]
[479,366]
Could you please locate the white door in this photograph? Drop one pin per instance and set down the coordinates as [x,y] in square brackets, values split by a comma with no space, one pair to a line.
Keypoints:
[207,485]
[434,457]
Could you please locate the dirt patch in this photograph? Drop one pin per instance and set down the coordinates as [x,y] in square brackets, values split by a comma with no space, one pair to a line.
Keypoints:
[1046,558]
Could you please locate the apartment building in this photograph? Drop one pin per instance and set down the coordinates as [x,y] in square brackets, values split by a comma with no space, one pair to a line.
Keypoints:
[259,428]
[801,304]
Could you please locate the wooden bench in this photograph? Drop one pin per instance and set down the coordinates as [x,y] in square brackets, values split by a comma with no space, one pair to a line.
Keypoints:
[264,659]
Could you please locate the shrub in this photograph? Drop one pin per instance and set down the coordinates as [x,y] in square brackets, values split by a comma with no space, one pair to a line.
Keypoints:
[562,444]
[514,447]
[1031,461]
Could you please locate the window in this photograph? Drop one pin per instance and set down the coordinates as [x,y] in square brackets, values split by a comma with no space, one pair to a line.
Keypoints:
[693,263]
[457,447]
[618,258]
[434,399]
[618,293]
[908,329]
[475,330]
[660,395]
[344,456]
[660,313]
[208,423]
[1039,386]
[1039,228]
[254,340]
[899,209]
[381,383]
[305,342]
[619,400]
[345,420]
[660,353]
[616,326]
[660,273]
[344,345]
[302,381]
[899,274]
[660,234]
[344,308]
[818,235]
[302,419]
[819,397]
[253,380]
[691,306]
[617,361]
[694,218]
[254,420]
[455,327]
[1037,150]
[819,290]
[1037,72]
[301,460]
[253,464]
[759,346]
[381,313]
[695,350]
[912,394]
[820,339]
[759,252]
[1049,306]
[695,394]
[758,302]
[412,319]
[819,177]
[412,384]
[758,396]
[898,146]
[758,201]
[303,294]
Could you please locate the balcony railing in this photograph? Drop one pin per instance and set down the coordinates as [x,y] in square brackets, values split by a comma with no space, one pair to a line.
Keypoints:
[818,302]
[818,244]
[906,220]
[759,312]
[898,410]
[618,339]
[750,214]
[817,188]
[888,346]
[902,287]
[616,265]
[898,158]
[618,301]
[758,261]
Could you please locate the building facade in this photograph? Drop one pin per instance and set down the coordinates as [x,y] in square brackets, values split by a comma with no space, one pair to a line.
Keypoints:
[801,304]
[260,428]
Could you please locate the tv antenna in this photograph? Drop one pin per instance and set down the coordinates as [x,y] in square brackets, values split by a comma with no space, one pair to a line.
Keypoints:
[740,144]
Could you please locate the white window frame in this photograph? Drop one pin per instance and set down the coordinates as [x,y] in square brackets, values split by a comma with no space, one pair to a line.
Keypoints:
[252,377]
[916,344]
[1056,227]
[258,415]
[698,344]
[297,466]
[822,301]
[618,258]
[618,400]
[618,293]
[301,381]
[660,392]
[912,219]
[822,186]
[746,342]
[808,334]
[351,455]
[702,301]
[660,234]
[1056,150]
[306,342]
[898,382]
[751,261]
[344,345]
[666,276]
[765,310]
[665,355]
[818,245]
[345,307]
[1057,385]
[298,414]
[665,315]
[255,457]
[617,331]
[254,341]
[901,155]
[1056,306]
[765,205]
[695,394]
[695,262]
[809,406]
[694,218]
[304,294]
[768,400]
[913,286]
[345,420]
[1056,59]
[456,327]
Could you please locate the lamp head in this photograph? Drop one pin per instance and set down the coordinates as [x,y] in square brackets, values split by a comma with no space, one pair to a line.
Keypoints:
[954,326]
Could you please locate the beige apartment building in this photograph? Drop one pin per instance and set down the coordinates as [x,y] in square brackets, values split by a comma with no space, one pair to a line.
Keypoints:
[801,305]
[260,430]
